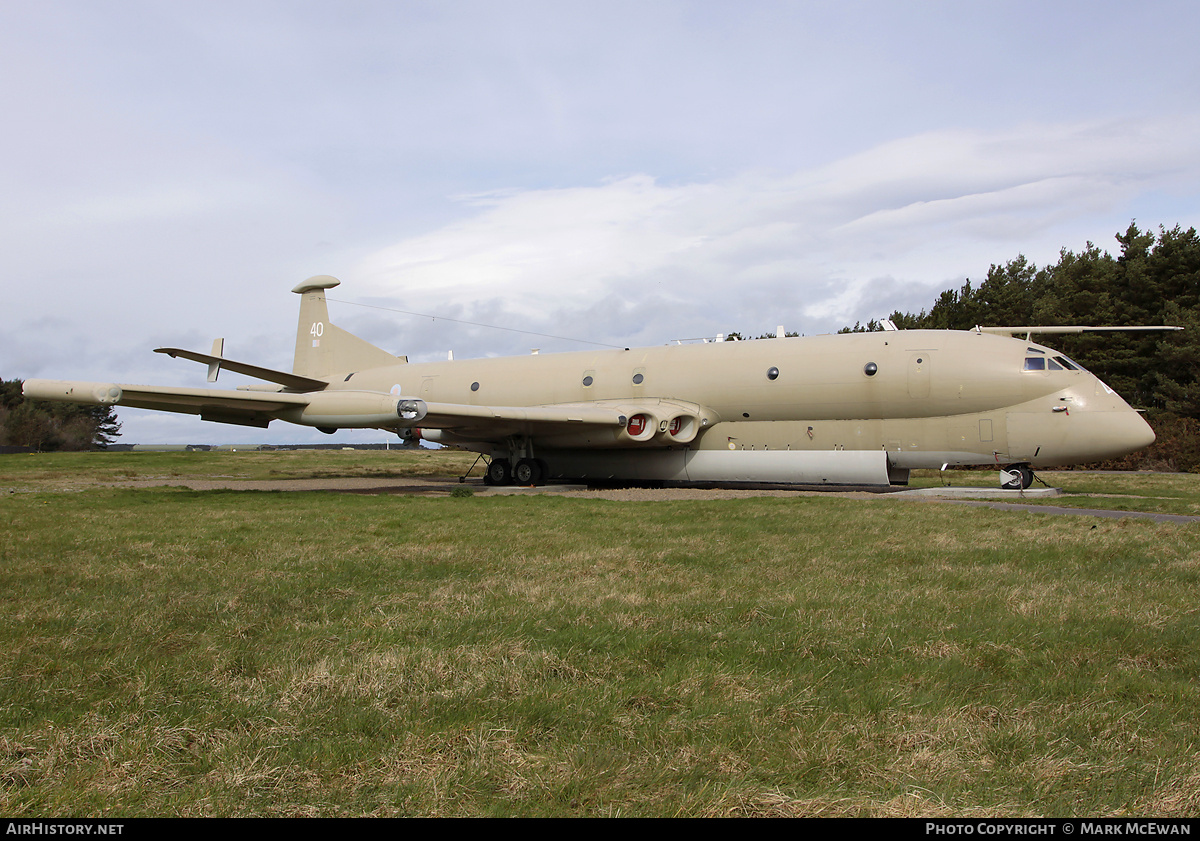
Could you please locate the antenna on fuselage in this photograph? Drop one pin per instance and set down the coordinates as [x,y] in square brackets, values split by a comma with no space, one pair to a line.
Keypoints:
[1071,328]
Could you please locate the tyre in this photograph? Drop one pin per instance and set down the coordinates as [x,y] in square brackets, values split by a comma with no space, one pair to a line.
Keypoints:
[1017,477]
[499,472]
[527,472]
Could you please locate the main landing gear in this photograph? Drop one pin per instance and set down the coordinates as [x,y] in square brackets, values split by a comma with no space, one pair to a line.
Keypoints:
[527,471]
[1016,477]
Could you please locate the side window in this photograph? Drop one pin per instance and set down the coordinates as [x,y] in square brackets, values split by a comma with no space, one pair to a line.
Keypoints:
[1035,363]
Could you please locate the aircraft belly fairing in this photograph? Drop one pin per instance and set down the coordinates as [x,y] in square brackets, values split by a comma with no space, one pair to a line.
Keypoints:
[730,467]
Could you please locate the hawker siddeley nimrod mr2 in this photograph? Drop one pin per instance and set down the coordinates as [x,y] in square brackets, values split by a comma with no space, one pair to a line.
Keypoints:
[846,409]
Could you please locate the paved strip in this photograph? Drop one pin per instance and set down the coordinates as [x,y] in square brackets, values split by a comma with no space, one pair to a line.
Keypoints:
[1083,512]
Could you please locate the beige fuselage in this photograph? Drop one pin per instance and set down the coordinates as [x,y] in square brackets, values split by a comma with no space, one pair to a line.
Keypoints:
[935,397]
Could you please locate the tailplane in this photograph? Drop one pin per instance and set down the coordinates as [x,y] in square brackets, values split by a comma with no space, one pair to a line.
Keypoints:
[324,350]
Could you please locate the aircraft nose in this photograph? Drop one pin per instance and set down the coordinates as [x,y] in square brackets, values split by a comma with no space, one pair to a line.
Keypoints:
[1081,437]
[1142,435]
[1124,432]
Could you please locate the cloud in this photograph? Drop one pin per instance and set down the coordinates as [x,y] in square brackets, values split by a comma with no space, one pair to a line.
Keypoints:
[812,246]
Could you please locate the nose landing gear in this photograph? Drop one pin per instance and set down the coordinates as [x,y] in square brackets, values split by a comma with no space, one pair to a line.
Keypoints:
[1016,477]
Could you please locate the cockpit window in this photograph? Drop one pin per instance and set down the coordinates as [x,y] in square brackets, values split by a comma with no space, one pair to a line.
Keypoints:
[1055,363]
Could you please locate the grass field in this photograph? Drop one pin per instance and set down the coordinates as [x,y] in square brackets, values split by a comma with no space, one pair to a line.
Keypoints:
[176,652]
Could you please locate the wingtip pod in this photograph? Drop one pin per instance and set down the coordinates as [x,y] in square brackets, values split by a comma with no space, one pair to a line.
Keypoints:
[104,394]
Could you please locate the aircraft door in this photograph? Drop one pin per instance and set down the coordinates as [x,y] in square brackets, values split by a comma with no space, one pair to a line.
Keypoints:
[985,431]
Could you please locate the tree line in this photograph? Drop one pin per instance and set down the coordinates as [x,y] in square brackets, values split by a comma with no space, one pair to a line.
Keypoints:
[1154,279]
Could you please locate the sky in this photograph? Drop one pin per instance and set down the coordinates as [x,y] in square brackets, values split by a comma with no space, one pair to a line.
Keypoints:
[565,173]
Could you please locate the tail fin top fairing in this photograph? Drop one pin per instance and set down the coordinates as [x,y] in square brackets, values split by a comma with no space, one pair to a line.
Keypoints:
[324,350]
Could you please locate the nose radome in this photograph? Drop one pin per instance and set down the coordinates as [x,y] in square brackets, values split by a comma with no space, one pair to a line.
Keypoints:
[1124,432]
[1144,436]
[1120,427]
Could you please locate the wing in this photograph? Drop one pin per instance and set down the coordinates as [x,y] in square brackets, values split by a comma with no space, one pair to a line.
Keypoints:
[495,423]
[639,422]
[243,407]
[337,409]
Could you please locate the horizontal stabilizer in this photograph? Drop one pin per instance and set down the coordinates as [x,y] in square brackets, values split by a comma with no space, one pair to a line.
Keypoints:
[293,381]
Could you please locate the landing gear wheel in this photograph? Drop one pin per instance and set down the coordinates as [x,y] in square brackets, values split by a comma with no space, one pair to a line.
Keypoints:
[1017,477]
[499,472]
[528,472]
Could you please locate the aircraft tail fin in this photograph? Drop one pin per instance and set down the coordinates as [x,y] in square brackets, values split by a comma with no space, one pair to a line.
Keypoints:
[324,350]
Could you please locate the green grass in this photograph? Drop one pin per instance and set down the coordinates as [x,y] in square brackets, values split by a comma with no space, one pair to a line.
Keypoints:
[173,652]
[1170,493]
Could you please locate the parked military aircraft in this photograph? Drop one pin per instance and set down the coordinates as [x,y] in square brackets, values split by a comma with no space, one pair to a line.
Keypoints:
[856,408]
